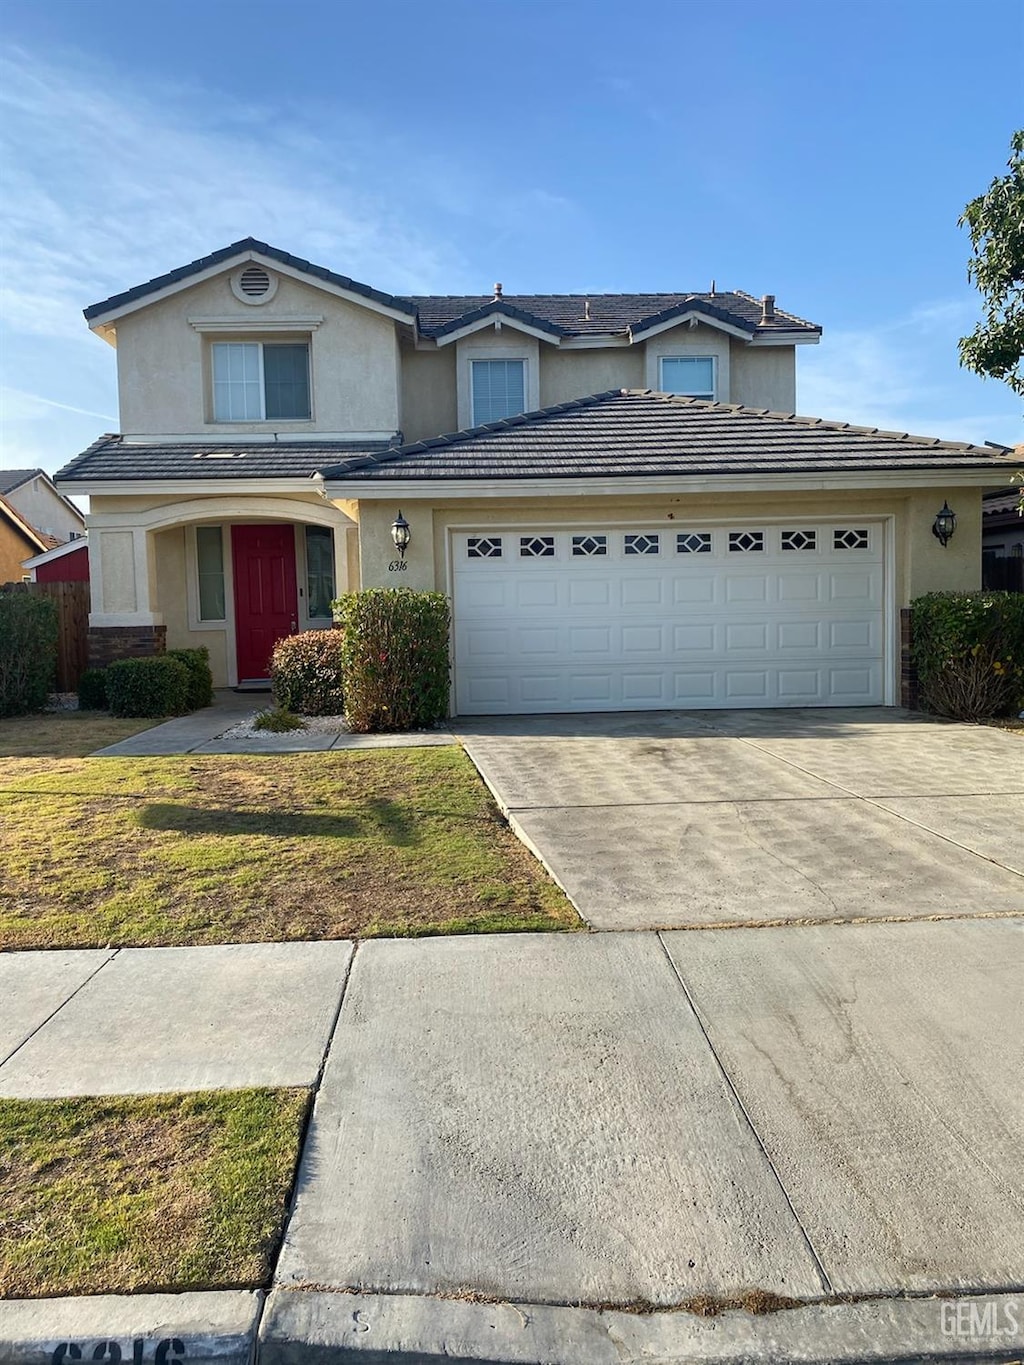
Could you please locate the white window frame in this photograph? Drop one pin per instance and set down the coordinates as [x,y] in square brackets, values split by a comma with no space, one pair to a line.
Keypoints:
[259,344]
[492,359]
[689,355]
[518,347]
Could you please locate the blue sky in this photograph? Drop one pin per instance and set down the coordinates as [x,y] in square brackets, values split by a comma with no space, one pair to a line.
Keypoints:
[818,151]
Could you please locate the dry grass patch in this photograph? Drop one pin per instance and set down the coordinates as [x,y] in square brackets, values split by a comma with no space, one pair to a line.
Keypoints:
[64,734]
[127,1195]
[222,849]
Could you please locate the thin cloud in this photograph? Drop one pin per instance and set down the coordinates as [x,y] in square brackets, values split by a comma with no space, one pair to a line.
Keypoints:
[903,375]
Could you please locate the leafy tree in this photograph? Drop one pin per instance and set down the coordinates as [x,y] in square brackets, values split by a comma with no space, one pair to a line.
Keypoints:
[995,220]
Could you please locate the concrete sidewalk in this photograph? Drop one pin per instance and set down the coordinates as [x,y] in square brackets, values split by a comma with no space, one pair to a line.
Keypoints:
[201,733]
[557,1121]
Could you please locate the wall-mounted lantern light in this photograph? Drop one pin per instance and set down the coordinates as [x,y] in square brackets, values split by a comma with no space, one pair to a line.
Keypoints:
[943,526]
[401,535]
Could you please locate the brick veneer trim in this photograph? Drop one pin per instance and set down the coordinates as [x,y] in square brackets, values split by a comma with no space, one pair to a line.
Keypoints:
[107,644]
[908,669]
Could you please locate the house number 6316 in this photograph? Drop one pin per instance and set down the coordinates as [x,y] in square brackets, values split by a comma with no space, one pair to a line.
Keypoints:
[397,566]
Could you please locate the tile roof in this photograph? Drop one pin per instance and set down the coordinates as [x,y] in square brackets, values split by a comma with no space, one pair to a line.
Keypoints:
[628,433]
[559,314]
[115,459]
[10,479]
[607,314]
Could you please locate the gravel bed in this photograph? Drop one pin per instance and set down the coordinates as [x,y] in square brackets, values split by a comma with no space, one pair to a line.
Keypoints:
[313,725]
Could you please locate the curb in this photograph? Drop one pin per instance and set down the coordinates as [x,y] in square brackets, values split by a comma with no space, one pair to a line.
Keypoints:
[313,1328]
[146,1329]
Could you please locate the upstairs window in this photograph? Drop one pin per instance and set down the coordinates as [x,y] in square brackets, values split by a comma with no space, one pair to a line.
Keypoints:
[693,376]
[499,389]
[260,381]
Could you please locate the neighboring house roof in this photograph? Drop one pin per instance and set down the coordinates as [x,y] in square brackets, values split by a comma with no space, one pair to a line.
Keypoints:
[10,479]
[1000,503]
[58,552]
[636,432]
[13,479]
[36,539]
[556,314]
[117,460]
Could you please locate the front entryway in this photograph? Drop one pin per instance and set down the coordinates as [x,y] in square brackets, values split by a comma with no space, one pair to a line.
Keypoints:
[687,615]
[266,599]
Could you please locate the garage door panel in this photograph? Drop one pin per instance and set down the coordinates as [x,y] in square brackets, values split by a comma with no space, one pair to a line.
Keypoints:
[533,592]
[634,628]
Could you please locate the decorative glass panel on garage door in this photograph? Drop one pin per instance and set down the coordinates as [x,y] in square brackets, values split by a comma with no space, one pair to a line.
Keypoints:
[637,618]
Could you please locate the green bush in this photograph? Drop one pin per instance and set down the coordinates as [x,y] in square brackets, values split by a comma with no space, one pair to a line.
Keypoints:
[92,690]
[306,673]
[157,686]
[278,720]
[396,658]
[28,651]
[200,679]
[969,651]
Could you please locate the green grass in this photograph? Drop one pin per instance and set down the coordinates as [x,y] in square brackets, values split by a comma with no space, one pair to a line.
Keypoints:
[125,1195]
[225,849]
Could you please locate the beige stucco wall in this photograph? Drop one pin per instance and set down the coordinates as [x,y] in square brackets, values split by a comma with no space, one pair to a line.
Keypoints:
[565,375]
[44,510]
[163,366]
[764,376]
[428,392]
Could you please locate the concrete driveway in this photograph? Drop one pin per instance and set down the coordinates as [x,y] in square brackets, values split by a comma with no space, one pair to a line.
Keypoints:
[683,819]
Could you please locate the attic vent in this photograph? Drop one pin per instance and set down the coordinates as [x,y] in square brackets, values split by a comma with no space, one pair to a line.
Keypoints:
[253,284]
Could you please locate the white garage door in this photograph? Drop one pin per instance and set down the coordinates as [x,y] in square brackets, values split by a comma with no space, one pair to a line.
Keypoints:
[636,618]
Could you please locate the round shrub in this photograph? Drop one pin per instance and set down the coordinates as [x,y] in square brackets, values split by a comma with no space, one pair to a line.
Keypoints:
[396,658]
[92,690]
[306,673]
[157,686]
[200,679]
[969,651]
[28,650]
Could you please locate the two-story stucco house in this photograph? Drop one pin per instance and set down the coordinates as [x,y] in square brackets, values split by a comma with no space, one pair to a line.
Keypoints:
[613,490]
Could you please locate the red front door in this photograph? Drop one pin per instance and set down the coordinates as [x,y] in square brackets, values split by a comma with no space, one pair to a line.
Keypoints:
[266,604]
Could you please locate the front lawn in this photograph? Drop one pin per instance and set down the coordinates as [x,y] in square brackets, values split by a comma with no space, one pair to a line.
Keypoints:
[127,1195]
[225,849]
[64,734]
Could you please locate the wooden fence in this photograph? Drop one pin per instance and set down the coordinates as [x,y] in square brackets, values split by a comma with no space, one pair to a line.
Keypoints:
[72,603]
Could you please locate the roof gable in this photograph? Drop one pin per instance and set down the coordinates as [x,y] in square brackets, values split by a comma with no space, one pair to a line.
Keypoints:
[248,249]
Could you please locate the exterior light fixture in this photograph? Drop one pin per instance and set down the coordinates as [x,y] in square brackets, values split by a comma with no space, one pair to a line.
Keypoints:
[942,527]
[401,535]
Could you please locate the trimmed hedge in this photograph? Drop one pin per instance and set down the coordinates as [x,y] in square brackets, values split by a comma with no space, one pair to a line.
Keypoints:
[395,658]
[28,651]
[92,690]
[200,679]
[306,673]
[969,651]
[157,686]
